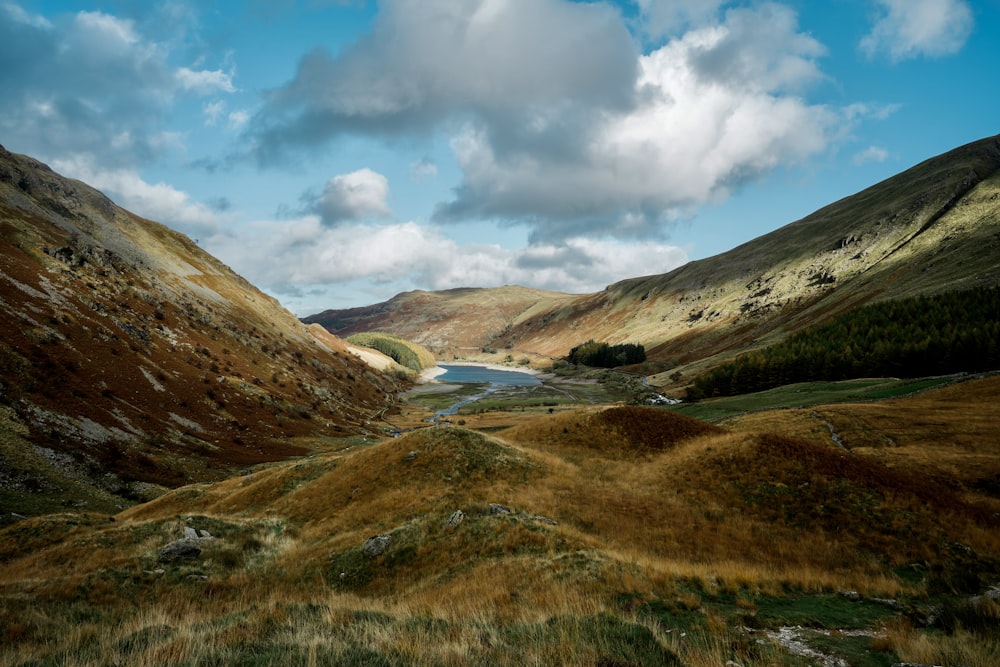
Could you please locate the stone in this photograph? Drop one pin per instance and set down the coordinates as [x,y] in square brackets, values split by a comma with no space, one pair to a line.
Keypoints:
[190,533]
[497,508]
[375,546]
[456,519]
[544,519]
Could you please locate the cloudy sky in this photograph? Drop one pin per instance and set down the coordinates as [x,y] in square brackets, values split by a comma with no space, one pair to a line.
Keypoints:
[337,152]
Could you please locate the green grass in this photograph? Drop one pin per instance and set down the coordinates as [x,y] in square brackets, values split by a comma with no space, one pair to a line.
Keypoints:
[836,625]
[806,394]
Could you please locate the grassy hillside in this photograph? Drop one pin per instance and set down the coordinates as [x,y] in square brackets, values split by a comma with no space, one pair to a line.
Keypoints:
[132,361]
[602,536]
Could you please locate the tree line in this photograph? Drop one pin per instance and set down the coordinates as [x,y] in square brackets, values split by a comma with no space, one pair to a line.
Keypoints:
[603,355]
[403,352]
[919,336]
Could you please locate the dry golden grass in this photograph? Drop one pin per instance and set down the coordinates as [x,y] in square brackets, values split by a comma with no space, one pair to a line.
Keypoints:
[947,435]
[639,518]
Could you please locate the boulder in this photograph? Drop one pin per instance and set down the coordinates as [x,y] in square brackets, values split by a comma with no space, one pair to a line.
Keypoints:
[456,519]
[375,546]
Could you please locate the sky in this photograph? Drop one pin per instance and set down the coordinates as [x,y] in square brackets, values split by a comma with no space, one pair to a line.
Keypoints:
[338,152]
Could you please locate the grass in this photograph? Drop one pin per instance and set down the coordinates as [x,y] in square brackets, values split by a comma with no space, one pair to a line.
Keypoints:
[807,394]
[635,536]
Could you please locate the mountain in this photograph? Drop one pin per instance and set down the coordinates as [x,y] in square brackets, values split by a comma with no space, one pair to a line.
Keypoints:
[930,229]
[466,318]
[132,360]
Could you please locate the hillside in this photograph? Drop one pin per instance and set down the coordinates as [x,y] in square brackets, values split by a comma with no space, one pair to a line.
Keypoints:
[131,360]
[619,536]
[458,318]
[933,228]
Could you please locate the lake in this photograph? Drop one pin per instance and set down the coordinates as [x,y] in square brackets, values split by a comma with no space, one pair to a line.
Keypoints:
[494,378]
[474,374]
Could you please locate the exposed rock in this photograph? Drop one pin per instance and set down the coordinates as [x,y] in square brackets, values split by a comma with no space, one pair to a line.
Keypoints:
[544,519]
[456,519]
[181,550]
[375,546]
[190,533]
[497,508]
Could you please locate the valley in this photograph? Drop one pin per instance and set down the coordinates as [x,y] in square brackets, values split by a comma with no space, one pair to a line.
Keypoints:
[189,475]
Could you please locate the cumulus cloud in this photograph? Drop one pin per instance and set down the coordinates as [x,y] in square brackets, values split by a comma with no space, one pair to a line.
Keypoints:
[205,82]
[287,257]
[912,28]
[710,115]
[520,64]
[349,197]
[73,83]
[562,124]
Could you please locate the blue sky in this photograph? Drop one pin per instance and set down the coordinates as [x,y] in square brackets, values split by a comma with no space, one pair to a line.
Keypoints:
[337,152]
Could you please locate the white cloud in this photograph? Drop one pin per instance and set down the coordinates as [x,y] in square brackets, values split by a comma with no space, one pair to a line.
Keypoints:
[292,255]
[94,76]
[238,118]
[109,31]
[705,122]
[19,15]
[354,196]
[870,154]
[913,28]
[205,82]
[156,201]
[427,62]
[212,111]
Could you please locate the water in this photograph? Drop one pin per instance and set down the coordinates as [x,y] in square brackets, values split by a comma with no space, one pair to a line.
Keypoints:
[493,378]
[485,375]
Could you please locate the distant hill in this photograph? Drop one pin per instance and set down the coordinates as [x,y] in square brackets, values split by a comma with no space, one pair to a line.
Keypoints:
[130,359]
[456,318]
[933,228]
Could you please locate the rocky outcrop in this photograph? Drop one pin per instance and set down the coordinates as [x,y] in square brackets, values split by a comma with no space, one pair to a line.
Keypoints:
[188,548]
[376,545]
